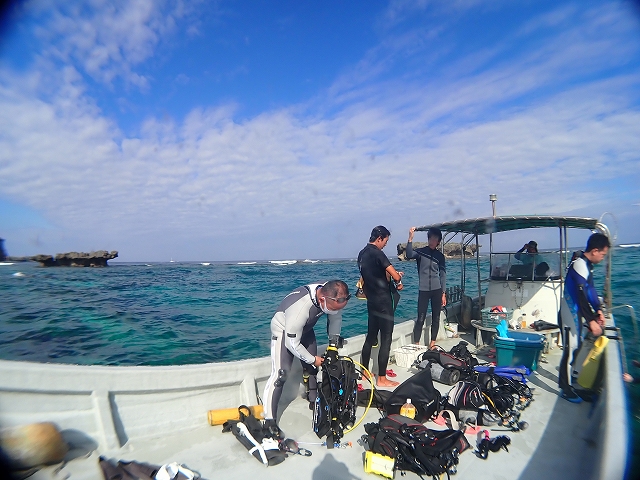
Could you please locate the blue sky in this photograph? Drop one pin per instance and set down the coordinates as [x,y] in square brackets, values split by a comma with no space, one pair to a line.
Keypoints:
[269,130]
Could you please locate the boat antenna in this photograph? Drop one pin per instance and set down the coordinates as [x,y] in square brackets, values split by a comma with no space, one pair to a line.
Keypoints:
[494,198]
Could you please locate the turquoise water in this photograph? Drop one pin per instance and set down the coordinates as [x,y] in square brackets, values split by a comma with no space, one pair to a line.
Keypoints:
[165,314]
[168,314]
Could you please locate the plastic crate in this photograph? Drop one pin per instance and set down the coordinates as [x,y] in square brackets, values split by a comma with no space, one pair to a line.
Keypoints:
[519,349]
[407,354]
[490,319]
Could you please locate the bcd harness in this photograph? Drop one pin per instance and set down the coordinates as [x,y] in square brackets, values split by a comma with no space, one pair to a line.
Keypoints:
[336,403]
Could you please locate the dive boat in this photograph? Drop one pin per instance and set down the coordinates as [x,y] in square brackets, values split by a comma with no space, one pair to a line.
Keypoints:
[159,414]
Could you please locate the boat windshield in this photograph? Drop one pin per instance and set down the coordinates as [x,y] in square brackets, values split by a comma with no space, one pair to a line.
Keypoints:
[525,266]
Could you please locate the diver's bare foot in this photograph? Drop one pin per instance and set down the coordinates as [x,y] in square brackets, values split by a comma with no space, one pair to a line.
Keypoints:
[432,345]
[368,376]
[383,381]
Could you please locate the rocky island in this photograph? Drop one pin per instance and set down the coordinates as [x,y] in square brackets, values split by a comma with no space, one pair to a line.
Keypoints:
[451,250]
[76,259]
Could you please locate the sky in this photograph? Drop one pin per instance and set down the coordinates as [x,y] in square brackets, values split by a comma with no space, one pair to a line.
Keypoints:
[250,130]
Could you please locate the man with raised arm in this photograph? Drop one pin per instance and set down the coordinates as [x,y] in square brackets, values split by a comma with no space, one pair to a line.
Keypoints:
[432,277]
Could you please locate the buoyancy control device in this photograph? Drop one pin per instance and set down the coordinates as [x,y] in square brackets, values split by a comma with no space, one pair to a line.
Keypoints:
[447,367]
[336,403]
[414,447]
[252,434]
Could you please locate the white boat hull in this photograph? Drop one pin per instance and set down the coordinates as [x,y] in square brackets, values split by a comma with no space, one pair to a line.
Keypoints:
[159,414]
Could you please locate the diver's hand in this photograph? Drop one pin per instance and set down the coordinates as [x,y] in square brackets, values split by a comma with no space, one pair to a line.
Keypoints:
[595,328]
[318,361]
[412,230]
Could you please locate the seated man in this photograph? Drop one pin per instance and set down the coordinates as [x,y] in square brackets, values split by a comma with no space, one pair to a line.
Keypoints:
[528,257]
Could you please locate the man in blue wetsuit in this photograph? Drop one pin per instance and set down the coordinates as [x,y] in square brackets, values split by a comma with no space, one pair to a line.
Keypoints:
[582,303]
[292,335]
[376,271]
[431,284]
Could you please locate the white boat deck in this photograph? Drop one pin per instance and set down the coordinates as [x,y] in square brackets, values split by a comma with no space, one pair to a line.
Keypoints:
[562,442]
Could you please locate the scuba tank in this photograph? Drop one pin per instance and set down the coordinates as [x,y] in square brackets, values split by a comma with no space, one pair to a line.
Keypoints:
[335,405]
[448,376]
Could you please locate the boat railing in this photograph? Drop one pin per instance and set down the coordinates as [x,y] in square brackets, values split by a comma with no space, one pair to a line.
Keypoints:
[634,321]
[609,423]
[454,294]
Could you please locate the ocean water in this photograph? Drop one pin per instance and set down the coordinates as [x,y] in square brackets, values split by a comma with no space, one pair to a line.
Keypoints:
[176,313]
[169,313]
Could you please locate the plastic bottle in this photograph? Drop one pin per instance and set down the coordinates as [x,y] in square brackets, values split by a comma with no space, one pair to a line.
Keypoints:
[523,321]
[408,409]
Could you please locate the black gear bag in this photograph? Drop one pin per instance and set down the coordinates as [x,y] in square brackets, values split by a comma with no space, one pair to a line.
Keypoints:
[422,393]
[415,447]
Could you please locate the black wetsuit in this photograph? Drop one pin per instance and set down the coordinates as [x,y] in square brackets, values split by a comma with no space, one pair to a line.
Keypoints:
[373,264]
[432,282]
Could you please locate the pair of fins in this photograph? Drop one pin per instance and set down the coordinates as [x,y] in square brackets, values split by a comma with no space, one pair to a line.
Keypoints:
[127,470]
[144,471]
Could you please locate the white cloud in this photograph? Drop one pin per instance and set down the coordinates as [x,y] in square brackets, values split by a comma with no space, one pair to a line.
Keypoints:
[108,39]
[400,153]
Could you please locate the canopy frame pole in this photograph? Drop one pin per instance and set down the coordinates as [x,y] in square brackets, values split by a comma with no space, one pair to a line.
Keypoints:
[478,267]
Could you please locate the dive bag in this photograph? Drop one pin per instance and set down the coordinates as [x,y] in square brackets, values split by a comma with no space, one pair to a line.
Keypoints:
[422,393]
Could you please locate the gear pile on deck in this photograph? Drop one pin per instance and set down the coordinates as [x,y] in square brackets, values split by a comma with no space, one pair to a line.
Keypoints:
[481,396]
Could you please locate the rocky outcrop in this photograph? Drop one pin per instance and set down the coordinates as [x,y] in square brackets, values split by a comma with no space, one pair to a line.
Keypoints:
[451,250]
[76,259]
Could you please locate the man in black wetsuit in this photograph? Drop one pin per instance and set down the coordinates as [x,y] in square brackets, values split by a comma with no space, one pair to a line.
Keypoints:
[377,271]
[432,276]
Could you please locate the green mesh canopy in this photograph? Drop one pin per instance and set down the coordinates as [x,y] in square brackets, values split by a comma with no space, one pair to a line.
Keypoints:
[485,226]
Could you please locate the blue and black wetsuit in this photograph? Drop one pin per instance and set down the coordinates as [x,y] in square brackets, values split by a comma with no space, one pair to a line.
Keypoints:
[432,277]
[580,292]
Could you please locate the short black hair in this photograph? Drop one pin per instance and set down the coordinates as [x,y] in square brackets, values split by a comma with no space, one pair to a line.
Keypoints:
[597,241]
[434,232]
[334,288]
[533,244]
[379,232]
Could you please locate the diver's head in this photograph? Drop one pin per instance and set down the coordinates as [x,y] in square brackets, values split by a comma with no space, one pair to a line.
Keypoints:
[597,247]
[434,237]
[379,236]
[333,296]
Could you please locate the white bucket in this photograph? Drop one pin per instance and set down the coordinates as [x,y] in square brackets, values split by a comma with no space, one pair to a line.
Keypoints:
[452,330]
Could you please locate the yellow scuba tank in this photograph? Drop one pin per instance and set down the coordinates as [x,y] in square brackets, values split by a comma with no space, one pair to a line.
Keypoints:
[218,417]
[592,363]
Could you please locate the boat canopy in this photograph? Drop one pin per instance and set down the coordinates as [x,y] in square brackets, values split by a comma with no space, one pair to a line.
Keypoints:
[485,226]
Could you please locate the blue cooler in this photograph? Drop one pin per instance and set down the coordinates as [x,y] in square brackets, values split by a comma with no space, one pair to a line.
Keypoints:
[519,349]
